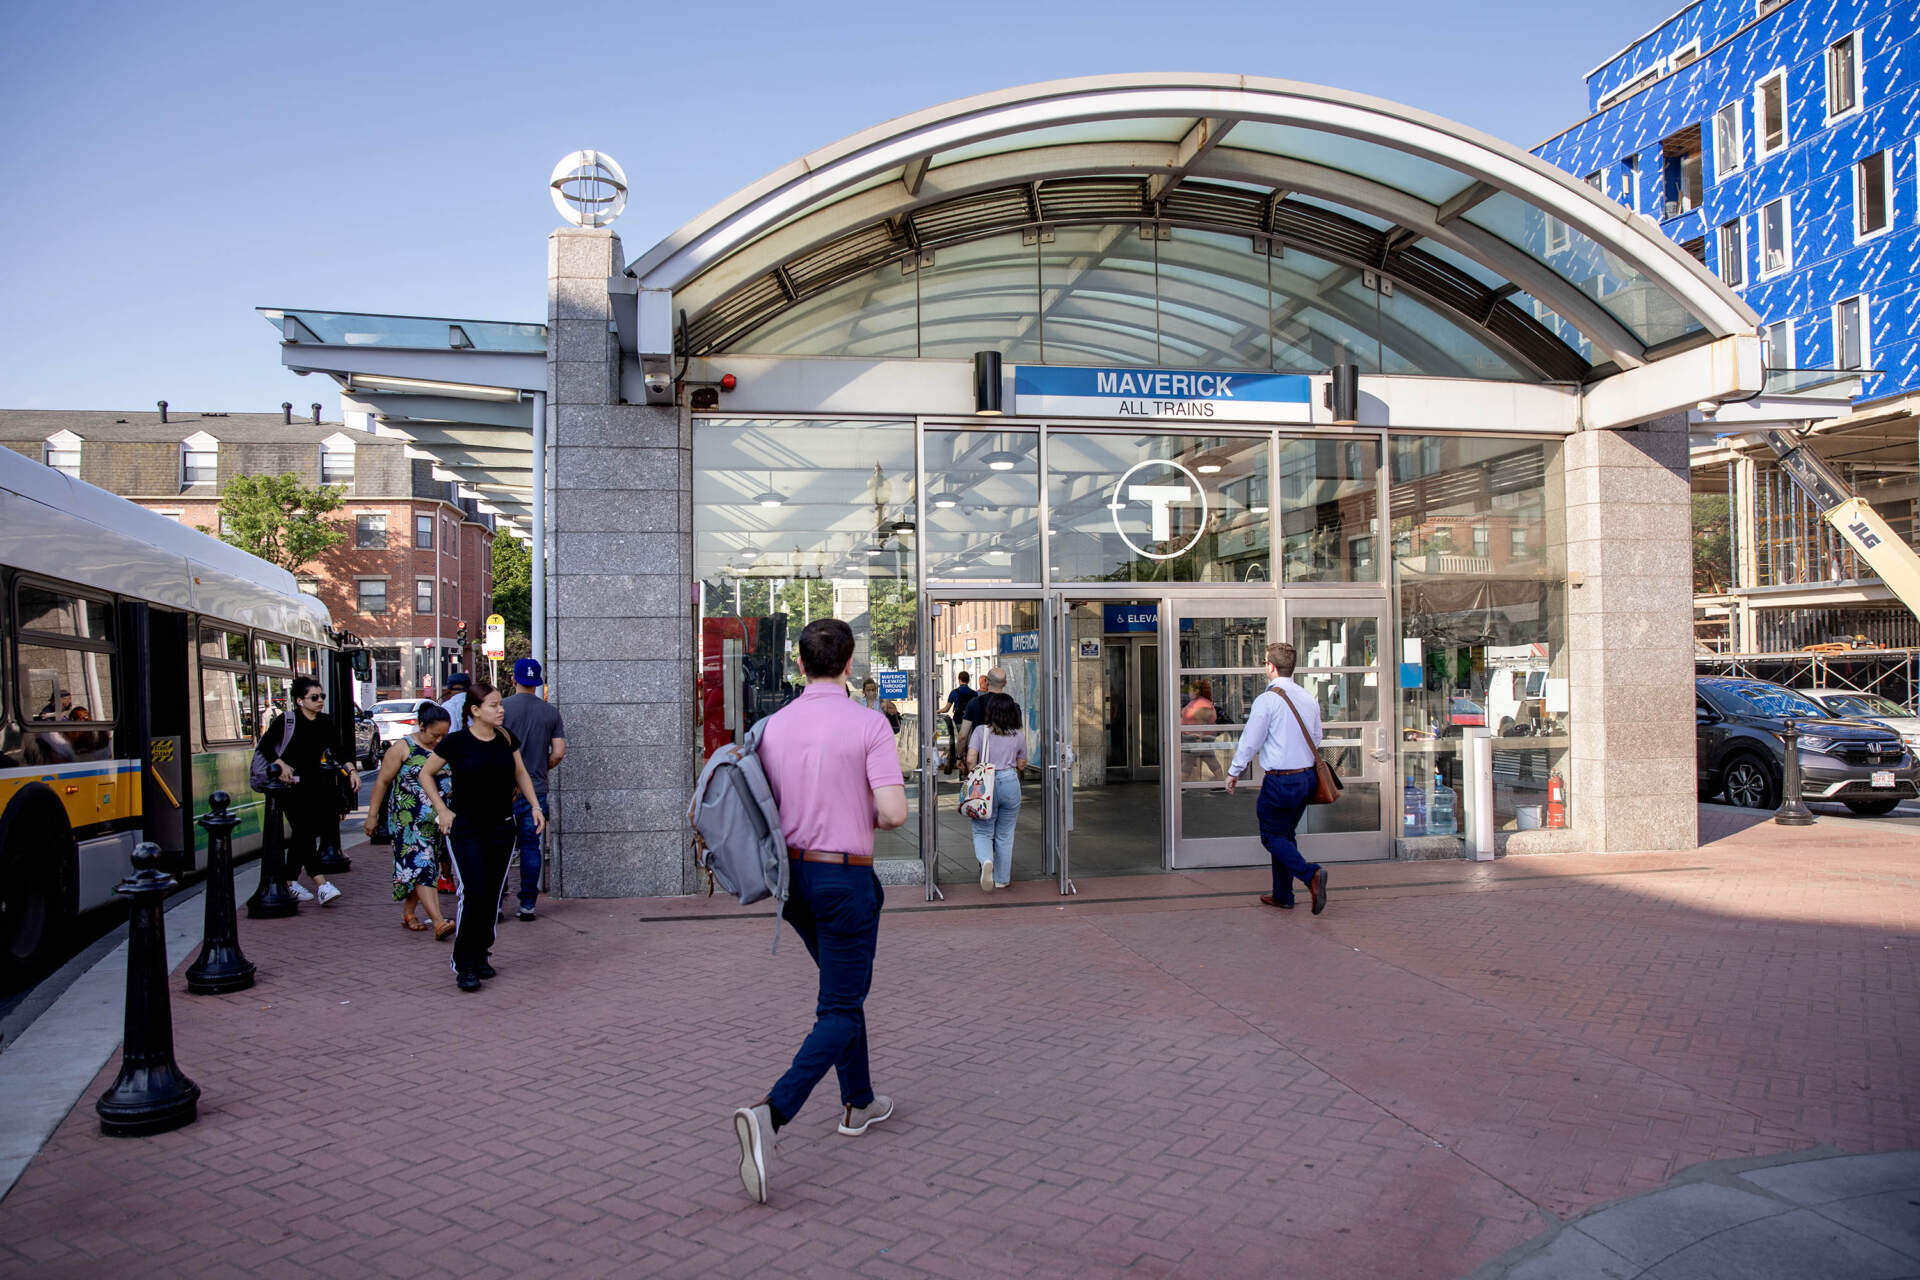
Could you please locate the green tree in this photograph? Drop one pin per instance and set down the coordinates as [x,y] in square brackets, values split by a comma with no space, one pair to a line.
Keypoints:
[1712,543]
[513,583]
[279,519]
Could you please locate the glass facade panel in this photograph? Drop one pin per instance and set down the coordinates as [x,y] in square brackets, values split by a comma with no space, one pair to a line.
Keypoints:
[1098,297]
[792,521]
[983,506]
[1482,638]
[981,296]
[1416,339]
[1214,299]
[1329,510]
[875,315]
[1133,508]
[1630,297]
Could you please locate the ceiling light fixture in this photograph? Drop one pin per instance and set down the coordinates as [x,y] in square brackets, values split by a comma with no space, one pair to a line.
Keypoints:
[1001,460]
[772,497]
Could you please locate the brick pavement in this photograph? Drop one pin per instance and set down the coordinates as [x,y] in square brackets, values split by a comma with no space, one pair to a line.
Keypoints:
[1152,1079]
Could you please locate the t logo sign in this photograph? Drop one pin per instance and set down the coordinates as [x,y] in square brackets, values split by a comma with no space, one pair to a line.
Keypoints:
[1161,494]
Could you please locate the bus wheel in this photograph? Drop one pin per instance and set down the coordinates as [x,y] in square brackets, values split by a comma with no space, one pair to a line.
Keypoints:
[37,868]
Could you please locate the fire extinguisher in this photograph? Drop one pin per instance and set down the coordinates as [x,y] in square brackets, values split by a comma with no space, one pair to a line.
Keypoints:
[1556,802]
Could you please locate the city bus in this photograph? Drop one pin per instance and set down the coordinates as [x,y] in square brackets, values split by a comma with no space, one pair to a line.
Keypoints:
[139,662]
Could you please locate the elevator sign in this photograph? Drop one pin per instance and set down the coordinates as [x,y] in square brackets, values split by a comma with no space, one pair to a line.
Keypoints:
[1184,394]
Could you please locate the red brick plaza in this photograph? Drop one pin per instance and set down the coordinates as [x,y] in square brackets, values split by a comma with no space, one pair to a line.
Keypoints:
[1157,1078]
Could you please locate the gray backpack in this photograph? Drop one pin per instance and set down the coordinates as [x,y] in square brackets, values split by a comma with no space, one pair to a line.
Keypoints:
[737,839]
[260,772]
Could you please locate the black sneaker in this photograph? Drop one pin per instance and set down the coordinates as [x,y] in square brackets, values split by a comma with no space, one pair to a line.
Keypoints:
[467,981]
[485,970]
[526,913]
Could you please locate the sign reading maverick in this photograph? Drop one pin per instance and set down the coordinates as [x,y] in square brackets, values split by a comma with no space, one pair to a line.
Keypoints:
[1160,393]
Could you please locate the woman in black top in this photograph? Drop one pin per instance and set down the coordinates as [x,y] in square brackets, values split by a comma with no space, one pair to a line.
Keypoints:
[314,800]
[487,771]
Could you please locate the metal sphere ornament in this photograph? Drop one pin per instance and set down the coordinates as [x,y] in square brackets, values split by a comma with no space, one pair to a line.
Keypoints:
[589,189]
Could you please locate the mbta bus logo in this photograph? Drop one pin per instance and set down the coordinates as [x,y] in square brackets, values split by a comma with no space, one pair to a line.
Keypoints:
[1160,500]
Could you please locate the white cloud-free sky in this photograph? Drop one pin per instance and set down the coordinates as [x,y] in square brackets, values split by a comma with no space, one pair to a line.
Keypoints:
[169,167]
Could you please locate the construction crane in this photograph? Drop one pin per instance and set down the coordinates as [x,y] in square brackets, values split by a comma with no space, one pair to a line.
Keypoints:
[1884,550]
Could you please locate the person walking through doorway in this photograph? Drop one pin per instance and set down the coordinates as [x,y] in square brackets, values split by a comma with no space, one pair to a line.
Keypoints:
[1000,741]
[835,776]
[416,833]
[487,773]
[536,725]
[314,799]
[1287,743]
[956,708]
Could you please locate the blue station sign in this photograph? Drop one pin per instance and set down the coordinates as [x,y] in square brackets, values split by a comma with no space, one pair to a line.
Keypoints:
[1020,642]
[1134,619]
[893,684]
[1160,393]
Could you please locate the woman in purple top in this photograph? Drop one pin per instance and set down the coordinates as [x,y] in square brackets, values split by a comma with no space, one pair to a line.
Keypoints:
[1002,743]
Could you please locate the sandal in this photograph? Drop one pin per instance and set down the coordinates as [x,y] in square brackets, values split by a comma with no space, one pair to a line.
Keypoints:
[417,926]
[444,930]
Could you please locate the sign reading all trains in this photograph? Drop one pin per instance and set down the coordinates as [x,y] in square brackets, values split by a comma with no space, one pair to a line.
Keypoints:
[1160,393]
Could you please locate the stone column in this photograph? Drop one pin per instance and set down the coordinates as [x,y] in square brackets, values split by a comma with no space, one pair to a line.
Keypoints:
[619,590]
[1630,631]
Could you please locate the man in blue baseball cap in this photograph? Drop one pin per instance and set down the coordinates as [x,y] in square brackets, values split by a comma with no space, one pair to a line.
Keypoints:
[536,725]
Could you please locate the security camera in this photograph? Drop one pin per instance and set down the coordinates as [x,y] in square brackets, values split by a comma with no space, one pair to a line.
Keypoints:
[1707,408]
[659,384]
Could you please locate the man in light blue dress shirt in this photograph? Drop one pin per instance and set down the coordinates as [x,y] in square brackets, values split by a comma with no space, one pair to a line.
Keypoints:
[1287,758]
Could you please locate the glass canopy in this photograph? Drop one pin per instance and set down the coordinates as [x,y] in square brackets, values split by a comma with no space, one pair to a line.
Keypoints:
[1187,219]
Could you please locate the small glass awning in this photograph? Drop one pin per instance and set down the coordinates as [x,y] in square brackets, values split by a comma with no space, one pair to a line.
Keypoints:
[1532,267]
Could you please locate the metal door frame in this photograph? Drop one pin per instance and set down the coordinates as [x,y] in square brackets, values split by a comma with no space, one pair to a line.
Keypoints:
[1219,851]
[1377,757]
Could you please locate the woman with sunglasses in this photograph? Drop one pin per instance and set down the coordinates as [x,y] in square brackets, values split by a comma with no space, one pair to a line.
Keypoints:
[487,773]
[313,801]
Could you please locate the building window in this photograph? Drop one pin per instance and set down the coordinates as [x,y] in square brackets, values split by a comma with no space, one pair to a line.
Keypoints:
[1843,76]
[336,463]
[1733,254]
[1598,181]
[450,539]
[371,595]
[1776,238]
[1729,142]
[1632,166]
[1680,171]
[1482,540]
[1696,249]
[423,595]
[1517,542]
[1850,346]
[1872,196]
[1557,238]
[309,585]
[1776,345]
[199,459]
[1688,52]
[452,598]
[1770,115]
[370,531]
[62,453]
[423,532]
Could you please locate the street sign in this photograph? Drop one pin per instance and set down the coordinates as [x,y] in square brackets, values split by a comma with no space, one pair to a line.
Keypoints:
[496,637]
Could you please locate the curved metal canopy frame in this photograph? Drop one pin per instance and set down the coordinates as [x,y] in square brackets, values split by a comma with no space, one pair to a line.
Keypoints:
[1097,150]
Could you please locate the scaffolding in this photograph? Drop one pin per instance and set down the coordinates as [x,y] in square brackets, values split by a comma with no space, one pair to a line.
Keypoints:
[1891,673]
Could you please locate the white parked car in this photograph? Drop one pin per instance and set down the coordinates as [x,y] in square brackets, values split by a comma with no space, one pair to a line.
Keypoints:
[396,719]
[1853,705]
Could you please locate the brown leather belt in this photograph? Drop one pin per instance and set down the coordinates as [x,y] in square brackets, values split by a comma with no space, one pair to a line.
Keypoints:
[838,859]
[1287,773]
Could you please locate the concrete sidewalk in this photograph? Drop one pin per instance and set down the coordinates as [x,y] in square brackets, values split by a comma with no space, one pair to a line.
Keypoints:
[1157,1077]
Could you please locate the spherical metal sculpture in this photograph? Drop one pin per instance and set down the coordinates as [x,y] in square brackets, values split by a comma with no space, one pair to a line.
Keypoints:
[589,189]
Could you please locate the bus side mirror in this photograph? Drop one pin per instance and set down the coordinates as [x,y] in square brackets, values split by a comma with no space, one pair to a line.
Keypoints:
[362,663]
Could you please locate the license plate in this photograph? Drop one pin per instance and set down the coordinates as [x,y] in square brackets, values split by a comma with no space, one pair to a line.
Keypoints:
[1883,778]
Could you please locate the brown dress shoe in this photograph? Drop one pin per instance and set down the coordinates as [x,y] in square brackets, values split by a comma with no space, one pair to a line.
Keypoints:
[1267,900]
[1319,888]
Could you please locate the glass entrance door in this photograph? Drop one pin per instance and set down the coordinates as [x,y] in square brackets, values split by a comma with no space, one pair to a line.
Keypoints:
[1340,658]
[1109,714]
[987,640]
[1218,672]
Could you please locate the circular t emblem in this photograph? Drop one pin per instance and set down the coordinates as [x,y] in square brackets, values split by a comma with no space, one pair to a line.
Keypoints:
[1161,494]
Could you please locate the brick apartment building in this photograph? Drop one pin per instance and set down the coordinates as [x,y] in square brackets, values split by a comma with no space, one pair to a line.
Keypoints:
[415,568]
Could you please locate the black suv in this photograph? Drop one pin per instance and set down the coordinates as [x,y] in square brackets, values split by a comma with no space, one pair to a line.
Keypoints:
[1737,728]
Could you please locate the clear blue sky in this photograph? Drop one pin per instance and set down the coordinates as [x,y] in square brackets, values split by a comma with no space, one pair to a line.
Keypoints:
[169,167]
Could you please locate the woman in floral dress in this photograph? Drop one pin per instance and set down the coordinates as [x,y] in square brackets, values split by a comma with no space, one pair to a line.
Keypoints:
[416,833]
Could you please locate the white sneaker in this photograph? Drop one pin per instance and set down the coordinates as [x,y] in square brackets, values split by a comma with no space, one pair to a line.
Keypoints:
[986,876]
[859,1119]
[753,1126]
[299,891]
[327,894]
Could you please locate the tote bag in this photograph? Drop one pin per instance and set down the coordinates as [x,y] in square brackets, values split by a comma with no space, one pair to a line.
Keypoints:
[976,792]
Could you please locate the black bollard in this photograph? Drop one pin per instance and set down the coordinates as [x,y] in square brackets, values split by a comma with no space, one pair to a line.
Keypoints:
[332,861]
[150,1095]
[272,901]
[221,967]
[1792,811]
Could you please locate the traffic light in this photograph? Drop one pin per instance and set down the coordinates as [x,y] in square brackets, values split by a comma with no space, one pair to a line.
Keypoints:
[460,636]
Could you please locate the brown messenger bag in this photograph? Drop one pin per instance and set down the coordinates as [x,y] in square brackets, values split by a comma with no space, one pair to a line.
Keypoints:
[1326,783]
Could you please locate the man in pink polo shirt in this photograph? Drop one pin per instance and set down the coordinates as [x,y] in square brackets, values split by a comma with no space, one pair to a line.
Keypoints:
[835,774]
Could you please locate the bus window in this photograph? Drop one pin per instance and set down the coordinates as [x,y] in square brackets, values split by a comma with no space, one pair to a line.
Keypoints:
[273,653]
[63,669]
[226,687]
[273,678]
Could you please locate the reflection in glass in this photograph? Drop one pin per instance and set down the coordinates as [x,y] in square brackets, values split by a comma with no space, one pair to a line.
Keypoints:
[839,543]
[1217,643]
[1335,642]
[1348,695]
[1099,296]
[1329,509]
[1482,622]
[983,506]
[1155,508]
[981,296]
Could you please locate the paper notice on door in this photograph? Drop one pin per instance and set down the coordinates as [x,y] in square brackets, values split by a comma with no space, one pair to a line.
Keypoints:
[1556,695]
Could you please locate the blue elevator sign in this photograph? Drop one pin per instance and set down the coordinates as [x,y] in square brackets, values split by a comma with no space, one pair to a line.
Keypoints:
[1160,393]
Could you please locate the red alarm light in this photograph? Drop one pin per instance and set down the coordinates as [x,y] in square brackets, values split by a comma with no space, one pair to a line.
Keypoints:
[728,382]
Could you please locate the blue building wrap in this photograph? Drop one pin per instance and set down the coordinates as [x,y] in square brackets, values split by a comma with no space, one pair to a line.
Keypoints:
[1821,194]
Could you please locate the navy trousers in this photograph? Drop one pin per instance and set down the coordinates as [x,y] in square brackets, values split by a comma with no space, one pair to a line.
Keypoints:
[1283,798]
[836,911]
